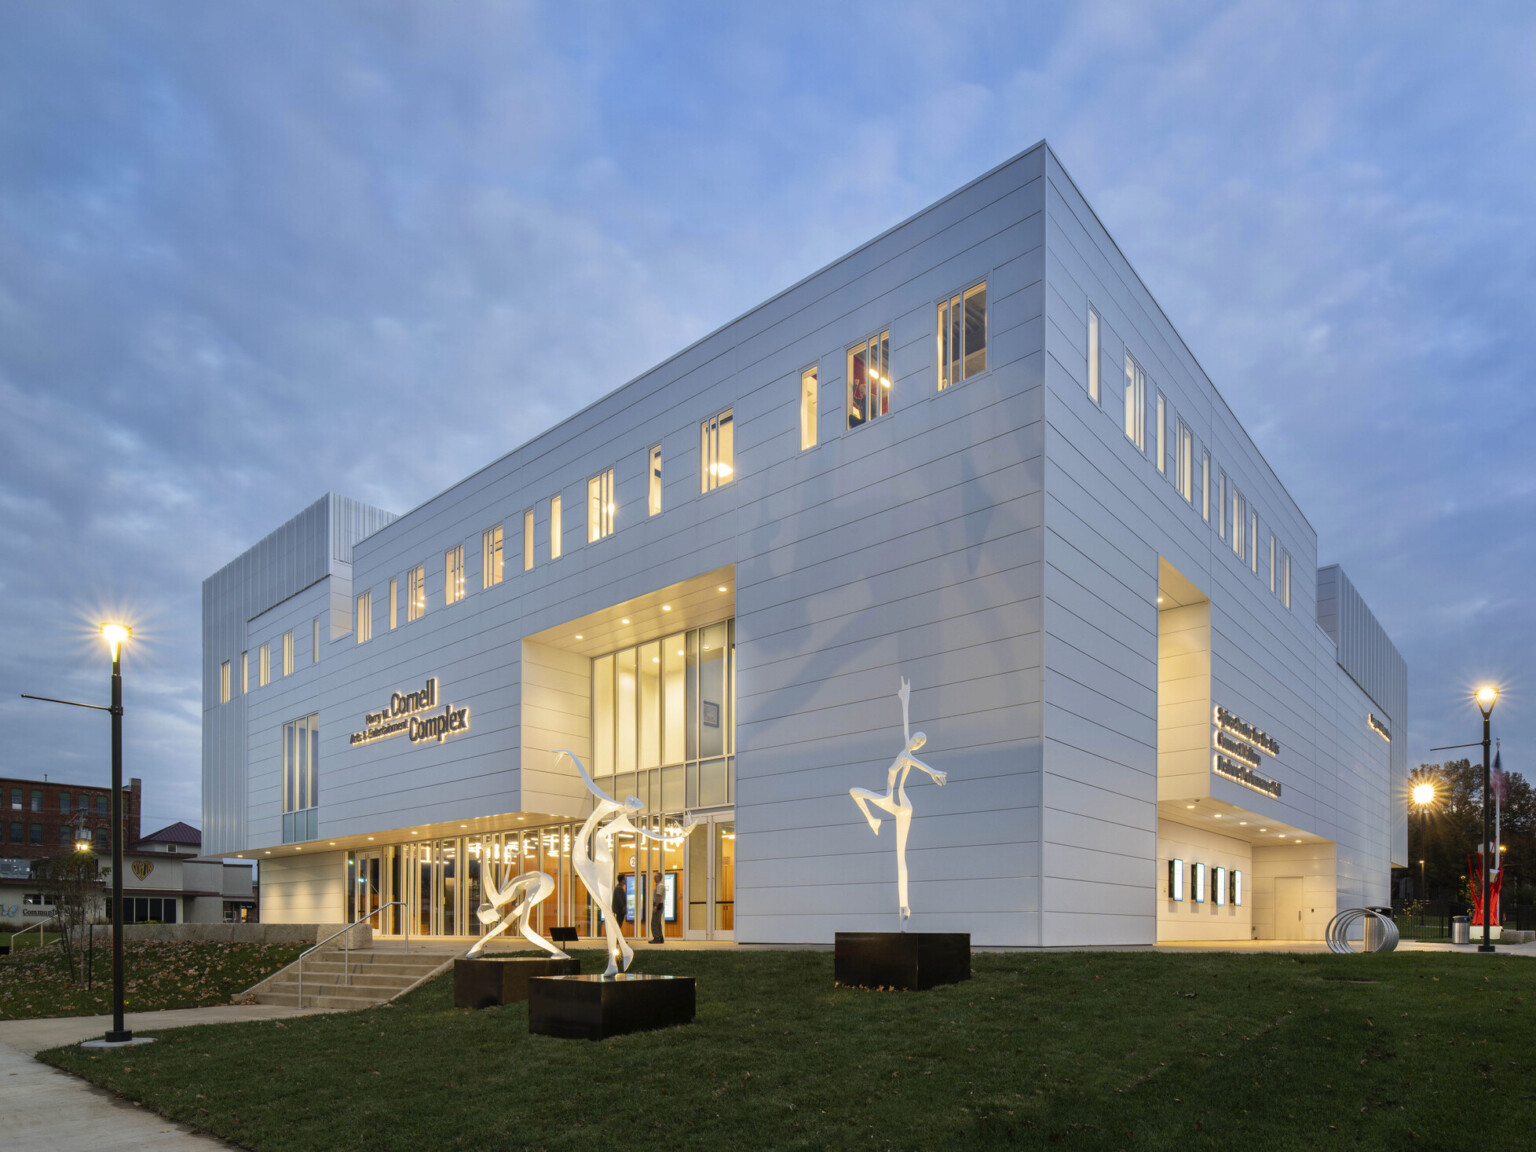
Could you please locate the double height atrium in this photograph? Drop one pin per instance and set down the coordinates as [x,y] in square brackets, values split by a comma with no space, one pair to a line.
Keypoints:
[972,453]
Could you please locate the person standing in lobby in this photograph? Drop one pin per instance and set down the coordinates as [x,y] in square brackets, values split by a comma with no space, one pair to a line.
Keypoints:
[658,908]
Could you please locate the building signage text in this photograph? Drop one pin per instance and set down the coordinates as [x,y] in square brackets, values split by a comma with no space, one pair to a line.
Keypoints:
[1240,727]
[1243,774]
[1238,748]
[1381,729]
[1243,752]
[403,714]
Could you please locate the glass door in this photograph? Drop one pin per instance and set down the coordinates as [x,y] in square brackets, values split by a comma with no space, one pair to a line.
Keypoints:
[369,887]
[711,879]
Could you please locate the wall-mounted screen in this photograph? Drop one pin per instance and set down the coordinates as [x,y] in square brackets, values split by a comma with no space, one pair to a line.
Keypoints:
[1219,886]
[1197,882]
[1237,886]
[1175,879]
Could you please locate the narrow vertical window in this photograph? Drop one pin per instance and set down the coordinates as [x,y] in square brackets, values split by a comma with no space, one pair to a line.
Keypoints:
[490,557]
[1221,506]
[1094,392]
[717,451]
[528,540]
[365,617]
[653,480]
[394,603]
[1184,462]
[807,409]
[314,640]
[1135,403]
[224,679]
[288,653]
[1253,540]
[1239,522]
[245,673]
[415,593]
[1285,578]
[556,528]
[1205,485]
[963,336]
[869,379]
[1162,434]
[453,574]
[264,662]
[1271,561]
[600,506]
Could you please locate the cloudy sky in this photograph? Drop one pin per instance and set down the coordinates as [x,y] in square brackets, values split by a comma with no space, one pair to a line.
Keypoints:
[252,252]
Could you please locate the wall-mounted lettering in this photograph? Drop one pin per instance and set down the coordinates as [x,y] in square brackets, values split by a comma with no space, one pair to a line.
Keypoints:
[1240,727]
[1248,755]
[1381,729]
[400,715]
[1245,775]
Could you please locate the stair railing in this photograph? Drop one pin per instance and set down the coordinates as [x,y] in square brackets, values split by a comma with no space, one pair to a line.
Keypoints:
[346,944]
[38,928]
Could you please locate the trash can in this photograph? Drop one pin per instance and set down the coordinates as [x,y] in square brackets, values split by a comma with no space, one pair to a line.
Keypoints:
[1375,931]
[1460,932]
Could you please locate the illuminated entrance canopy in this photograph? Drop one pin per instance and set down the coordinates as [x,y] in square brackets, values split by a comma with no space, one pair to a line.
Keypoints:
[401,715]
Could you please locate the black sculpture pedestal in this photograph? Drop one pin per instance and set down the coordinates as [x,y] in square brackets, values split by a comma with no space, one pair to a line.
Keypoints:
[595,1008]
[902,960]
[485,981]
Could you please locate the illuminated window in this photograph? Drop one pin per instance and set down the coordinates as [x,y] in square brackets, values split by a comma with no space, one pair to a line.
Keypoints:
[1135,403]
[1221,506]
[869,380]
[224,678]
[1253,540]
[962,336]
[556,528]
[600,506]
[1094,392]
[365,617]
[1175,879]
[490,557]
[527,540]
[1184,461]
[315,638]
[415,593]
[301,778]
[1239,524]
[653,492]
[245,673]
[1272,559]
[1162,434]
[394,603]
[807,409]
[264,665]
[1205,485]
[453,574]
[288,652]
[717,453]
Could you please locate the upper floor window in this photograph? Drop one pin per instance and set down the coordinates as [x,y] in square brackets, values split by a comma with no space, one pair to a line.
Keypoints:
[1135,403]
[1162,434]
[301,777]
[365,617]
[556,528]
[245,673]
[807,409]
[717,454]
[1272,558]
[1094,388]
[490,557]
[1285,578]
[415,593]
[600,506]
[1205,486]
[963,336]
[869,379]
[1184,461]
[16,799]
[653,484]
[314,638]
[394,602]
[64,802]
[288,652]
[224,682]
[527,540]
[1221,505]
[103,806]
[37,799]
[453,574]
[1239,524]
[1253,540]
[264,665]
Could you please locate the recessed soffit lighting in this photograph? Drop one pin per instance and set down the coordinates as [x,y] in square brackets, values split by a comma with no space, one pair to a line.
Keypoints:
[625,620]
[722,588]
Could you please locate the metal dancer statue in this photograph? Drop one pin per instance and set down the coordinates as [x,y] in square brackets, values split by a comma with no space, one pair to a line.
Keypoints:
[895,801]
[523,892]
[592,854]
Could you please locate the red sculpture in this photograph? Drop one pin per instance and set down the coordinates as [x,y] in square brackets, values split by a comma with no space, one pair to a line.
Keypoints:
[1475,872]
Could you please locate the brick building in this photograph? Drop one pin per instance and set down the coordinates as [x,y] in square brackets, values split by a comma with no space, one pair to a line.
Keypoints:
[38,818]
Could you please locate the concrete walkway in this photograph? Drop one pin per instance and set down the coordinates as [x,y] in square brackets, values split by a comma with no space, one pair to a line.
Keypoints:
[46,1108]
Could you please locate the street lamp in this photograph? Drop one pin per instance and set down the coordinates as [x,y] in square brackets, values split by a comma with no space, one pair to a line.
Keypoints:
[115,635]
[1487,697]
[1423,796]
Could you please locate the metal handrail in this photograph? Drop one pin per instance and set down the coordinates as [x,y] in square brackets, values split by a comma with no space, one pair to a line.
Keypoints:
[347,943]
[39,926]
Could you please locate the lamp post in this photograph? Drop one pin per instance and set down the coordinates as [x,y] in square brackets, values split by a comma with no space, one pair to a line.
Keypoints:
[1487,697]
[1423,796]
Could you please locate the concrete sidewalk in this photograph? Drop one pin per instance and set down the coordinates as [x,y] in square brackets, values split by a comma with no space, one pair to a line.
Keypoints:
[46,1108]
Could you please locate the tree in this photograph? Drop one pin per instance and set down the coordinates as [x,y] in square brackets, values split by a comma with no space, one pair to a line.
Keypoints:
[73,883]
[1453,828]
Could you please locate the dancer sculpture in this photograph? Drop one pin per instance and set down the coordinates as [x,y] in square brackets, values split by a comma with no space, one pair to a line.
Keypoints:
[895,802]
[522,892]
[592,854]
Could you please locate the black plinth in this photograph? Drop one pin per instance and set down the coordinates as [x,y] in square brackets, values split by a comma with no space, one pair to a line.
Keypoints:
[902,960]
[485,981]
[594,1008]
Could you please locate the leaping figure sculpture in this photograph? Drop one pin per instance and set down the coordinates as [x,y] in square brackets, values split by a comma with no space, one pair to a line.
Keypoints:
[523,892]
[894,801]
[592,854]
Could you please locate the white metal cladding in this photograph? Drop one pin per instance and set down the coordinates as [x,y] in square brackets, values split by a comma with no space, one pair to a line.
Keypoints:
[306,549]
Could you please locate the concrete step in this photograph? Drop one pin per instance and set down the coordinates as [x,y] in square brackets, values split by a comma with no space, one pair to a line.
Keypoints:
[345,1003]
[388,971]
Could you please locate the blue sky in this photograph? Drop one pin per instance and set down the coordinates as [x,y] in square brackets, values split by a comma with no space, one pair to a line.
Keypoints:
[251,253]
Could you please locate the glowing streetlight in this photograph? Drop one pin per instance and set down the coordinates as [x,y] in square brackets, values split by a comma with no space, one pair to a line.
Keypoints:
[1423,794]
[1487,696]
[115,635]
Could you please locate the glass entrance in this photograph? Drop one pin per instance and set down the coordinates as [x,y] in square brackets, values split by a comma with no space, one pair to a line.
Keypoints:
[370,878]
[711,880]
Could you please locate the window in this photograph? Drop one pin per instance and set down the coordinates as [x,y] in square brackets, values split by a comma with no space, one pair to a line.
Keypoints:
[600,506]
[807,409]
[1271,561]
[301,777]
[1184,461]
[453,574]
[103,839]
[1205,485]
[527,540]
[490,557]
[653,495]
[314,637]
[1162,434]
[717,454]
[869,380]
[103,805]
[36,834]
[245,673]
[64,802]
[66,835]
[415,593]
[394,603]
[1253,540]
[962,336]
[264,665]
[37,800]
[1221,507]
[83,803]
[365,617]
[1135,403]
[1093,357]
[1239,524]
[1285,578]
[16,799]
[18,833]
[556,528]
[288,652]
[224,679]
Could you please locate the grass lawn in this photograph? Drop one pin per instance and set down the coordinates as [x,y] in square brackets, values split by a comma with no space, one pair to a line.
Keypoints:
[156,975]
[1088,1050]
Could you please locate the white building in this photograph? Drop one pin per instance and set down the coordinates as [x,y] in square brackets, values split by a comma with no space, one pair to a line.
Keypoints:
[973,452]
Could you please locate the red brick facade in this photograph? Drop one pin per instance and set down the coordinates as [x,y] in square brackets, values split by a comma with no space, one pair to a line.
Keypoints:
[36,824]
